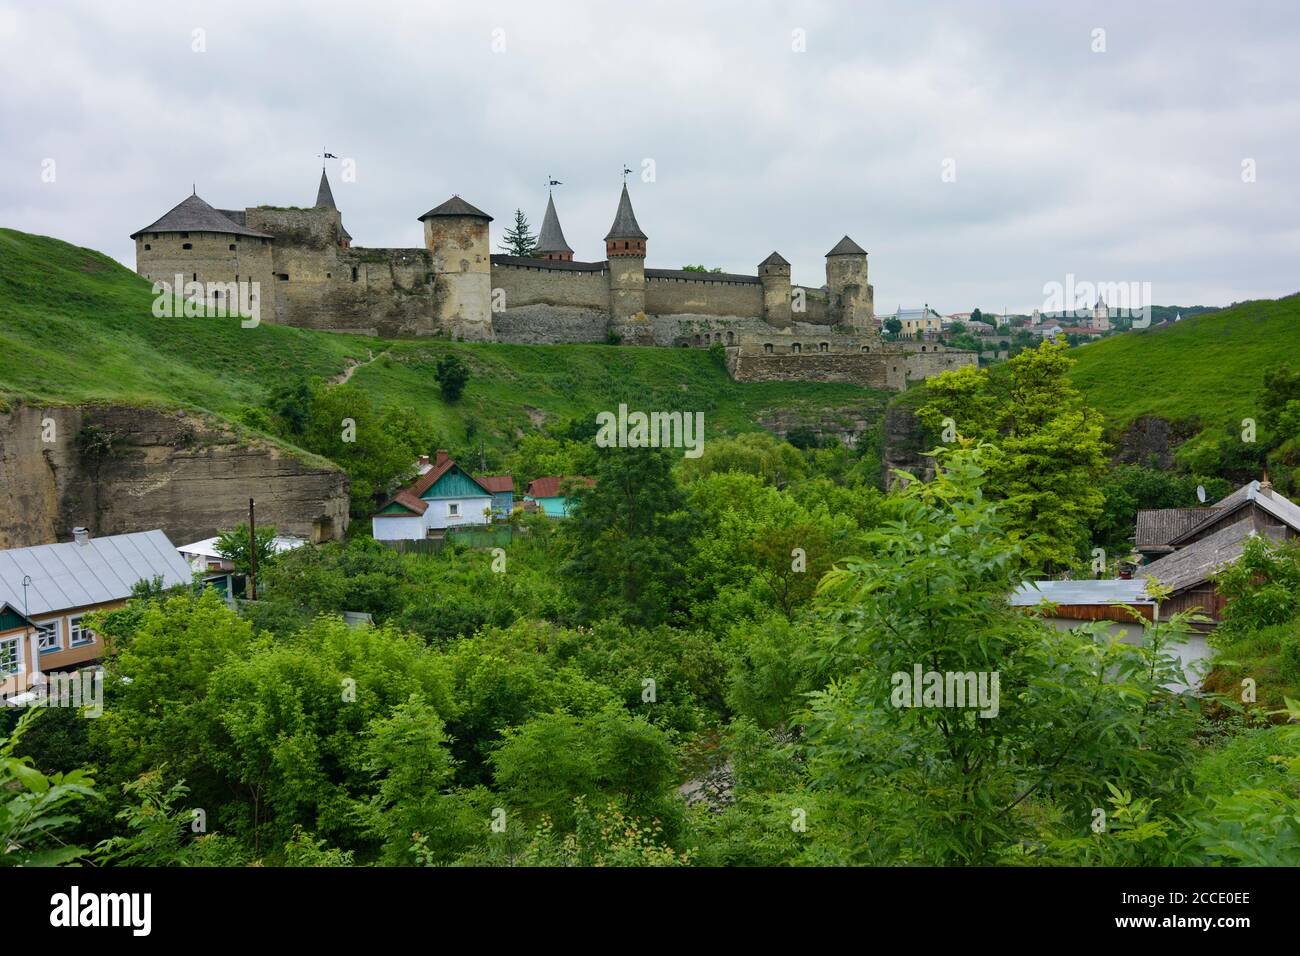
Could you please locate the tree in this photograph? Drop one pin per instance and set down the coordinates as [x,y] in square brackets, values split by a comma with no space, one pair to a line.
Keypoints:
[34,806]
[629,538]
[233,545]
[290,402]
[1048,462]
[893,326]
[977,316]
[699,268]
[519,239]
[453,375]
[966,780]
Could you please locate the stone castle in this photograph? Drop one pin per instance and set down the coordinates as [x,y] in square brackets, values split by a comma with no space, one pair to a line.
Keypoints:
[310,275]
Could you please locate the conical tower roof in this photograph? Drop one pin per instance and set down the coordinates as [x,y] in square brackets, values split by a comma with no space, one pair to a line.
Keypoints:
[324,196]
[625,225]
[455,206]
[847,247]
[551,238]
[192,214]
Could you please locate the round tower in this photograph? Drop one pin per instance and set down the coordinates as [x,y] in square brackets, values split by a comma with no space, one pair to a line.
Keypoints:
[456,235]
[851,296]
[774,274]
[625,249]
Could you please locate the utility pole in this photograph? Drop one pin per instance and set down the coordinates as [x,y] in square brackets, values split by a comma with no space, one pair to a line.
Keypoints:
[252,553]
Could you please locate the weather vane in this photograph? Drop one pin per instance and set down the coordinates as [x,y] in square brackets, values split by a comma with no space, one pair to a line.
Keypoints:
[551,182]
[625,172]
[324,155]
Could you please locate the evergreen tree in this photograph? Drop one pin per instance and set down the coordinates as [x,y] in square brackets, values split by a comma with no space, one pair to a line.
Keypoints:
[519,240]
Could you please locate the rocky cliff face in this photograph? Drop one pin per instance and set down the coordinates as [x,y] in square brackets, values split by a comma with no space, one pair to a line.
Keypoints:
[902,446]
[115,468]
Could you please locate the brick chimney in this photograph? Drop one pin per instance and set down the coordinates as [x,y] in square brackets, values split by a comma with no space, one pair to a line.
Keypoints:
[424,459]
[441,458]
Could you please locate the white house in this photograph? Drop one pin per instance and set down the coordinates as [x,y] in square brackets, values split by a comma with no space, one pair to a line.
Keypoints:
[445,496]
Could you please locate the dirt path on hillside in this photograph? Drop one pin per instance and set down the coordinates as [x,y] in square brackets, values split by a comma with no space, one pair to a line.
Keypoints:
[346,375]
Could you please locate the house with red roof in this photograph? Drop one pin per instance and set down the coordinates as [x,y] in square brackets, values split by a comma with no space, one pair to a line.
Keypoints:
[503,493]
[445,496]
[550,496]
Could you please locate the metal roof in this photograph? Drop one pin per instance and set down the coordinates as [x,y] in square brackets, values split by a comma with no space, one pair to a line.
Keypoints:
[324,195]
[1198,562]
[455,206]
[625,224]
[71,575]
[192,214]
[551,238]
[847,247]
[1087,591]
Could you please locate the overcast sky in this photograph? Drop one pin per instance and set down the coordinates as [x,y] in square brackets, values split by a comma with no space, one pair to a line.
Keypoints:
[1115,166]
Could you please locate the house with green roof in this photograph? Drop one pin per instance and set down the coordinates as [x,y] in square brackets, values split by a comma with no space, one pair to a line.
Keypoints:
[445,496]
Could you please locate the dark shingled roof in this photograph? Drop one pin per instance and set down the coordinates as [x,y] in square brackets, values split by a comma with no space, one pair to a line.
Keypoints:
[698,276]
[455,206]
[528,262]
[324,196]
[1158,526]
[847,247]
[192,214]
[775,259]
[625,225]
[551,238]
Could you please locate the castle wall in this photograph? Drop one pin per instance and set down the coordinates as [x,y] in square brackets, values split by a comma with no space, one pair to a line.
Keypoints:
[674,296]
[883,367]
[523,286]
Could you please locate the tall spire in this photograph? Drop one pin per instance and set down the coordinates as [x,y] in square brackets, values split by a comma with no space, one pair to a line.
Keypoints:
[324,197]
[551,243]
[625,225]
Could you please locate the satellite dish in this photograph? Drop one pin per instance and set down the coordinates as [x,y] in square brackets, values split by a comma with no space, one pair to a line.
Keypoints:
[1200,493]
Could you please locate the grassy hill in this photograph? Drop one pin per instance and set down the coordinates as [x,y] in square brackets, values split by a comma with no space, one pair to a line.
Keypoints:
[75,326]
[1207,368]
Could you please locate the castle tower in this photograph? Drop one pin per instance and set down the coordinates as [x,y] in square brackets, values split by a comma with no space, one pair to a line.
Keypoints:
[851,296]
[551,243]
[325,200]
[1101,316]
[774,274]
[625,249]
[456,235]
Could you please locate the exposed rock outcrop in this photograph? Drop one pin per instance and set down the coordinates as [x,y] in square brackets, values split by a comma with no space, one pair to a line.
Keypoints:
[116,468]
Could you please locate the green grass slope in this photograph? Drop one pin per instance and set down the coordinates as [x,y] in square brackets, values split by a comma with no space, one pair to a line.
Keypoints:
[1208,368]
[76,326]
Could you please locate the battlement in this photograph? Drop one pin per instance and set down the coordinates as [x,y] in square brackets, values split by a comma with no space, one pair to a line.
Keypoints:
[312,276]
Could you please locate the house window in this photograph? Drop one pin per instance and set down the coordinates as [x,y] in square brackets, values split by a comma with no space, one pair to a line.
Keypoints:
[79,633]
[187,245]
[453,510]
[9,655]
[48,638]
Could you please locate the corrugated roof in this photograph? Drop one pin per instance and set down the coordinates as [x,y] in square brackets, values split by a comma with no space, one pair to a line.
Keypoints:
[455,206]
[551,238]
[847,247]
[70,575]
[1270,501]
[1156,527]
[625,224]
[1197,562]
[1102,591]
[192,214]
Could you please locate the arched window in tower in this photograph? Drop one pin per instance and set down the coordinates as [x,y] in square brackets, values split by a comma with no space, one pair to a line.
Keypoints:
[824,347]
[796,348]
[731,338]
[767,348]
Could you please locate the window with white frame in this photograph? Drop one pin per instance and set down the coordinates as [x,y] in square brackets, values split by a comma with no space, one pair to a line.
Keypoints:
[9,655]
[453,509]
[78,631]
[49,636]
